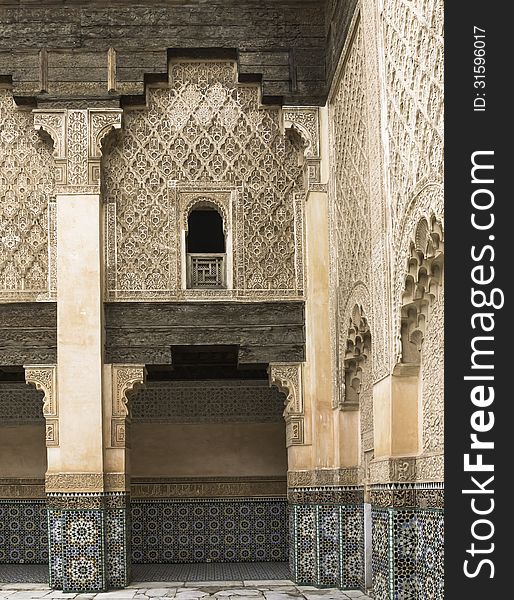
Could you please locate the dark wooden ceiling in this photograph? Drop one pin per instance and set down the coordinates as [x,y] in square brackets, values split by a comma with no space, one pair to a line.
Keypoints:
[55,50]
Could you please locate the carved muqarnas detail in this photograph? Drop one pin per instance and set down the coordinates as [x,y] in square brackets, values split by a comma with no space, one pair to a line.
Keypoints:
[44,378]
[422,282]
[358,347]
[125,378]
[287,377]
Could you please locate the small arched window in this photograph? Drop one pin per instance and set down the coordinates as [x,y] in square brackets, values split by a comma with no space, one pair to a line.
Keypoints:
[205,249]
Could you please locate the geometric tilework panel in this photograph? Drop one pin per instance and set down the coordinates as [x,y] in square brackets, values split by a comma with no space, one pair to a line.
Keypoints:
[404,554]
[23,532]
[430,554]
[88,548]
[327,543]
[381,555]
[407,554]
[117,547]
[208,402]
[83,550]
[242,530]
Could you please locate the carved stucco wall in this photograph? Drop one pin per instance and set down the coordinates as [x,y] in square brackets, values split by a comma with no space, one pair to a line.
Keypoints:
[208,402]
[349,199]
[206,137]
[27,208]
[412,35]
[386,111]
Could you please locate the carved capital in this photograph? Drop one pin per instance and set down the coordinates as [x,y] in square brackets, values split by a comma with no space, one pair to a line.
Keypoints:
[44,379]
[304,121]
[287,377]
[124,379]
[77,135]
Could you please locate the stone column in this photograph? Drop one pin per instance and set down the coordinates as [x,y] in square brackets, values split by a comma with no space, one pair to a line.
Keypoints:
[86,549]
[325,501]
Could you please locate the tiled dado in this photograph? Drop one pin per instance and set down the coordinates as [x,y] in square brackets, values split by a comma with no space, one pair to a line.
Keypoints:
[23,531]
[407,542]
[88,541]
[327,537]
[209,530]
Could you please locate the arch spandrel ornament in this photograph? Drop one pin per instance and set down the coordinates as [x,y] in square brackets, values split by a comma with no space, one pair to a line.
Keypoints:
[287,377]
[44,379]
[125,378]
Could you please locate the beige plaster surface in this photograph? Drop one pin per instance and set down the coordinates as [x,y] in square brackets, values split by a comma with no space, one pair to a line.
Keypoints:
[318,371]
[79,333]
[405,409]
[202,450]
[395,413]
[349,438]
[382,417]
[22,451]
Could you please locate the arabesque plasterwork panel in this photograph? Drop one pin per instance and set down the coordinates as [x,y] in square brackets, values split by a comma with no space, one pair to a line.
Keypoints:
[27,205]
[204,130]
[349,194]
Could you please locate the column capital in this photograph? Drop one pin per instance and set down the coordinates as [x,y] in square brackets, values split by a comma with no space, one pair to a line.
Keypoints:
[124,379]
[305,121]
[287,377]
[77,135]
[44,379]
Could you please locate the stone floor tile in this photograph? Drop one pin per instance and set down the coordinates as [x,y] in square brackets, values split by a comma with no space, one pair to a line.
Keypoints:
[326,594]
[218,584]
[30,593]
[238,592]
[24,586]
[268,582]
[116,594]
[272,595]
[148,585]
[153,592]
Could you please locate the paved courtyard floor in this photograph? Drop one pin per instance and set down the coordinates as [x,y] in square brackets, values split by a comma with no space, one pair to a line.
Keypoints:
[179,590]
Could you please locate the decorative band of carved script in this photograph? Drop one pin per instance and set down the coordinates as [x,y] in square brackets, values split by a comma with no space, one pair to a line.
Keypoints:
[208,488]
[22,488]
